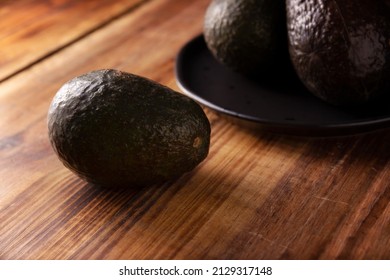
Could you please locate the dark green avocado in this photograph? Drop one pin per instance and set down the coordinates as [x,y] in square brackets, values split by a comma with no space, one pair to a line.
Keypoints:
[248,36]
[341,48]
[117,129]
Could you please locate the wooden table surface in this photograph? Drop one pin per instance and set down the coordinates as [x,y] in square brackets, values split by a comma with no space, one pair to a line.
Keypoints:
[256,196]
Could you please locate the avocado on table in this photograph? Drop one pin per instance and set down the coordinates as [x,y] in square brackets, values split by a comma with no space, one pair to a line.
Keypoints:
[117,129]
[248,36]
[341,48]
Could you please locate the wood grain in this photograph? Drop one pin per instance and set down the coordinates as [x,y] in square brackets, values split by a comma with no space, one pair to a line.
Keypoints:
[30,30]
[256,196]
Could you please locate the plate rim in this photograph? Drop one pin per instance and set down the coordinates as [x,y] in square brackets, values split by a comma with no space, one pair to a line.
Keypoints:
[362,125]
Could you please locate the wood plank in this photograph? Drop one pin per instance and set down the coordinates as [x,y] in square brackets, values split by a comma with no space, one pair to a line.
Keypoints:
[32,29]
[256,196]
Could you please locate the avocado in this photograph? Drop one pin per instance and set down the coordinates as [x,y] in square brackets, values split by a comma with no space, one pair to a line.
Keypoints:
[340,49]
[117,129]
[248,36]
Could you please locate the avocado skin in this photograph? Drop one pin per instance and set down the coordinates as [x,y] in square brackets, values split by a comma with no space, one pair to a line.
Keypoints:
[248,36]
[341,48]
[120,130]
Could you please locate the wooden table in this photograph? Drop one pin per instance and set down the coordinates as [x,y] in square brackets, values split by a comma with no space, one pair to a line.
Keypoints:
[256,196]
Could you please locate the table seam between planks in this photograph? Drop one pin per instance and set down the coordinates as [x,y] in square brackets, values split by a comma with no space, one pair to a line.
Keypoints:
[75,40]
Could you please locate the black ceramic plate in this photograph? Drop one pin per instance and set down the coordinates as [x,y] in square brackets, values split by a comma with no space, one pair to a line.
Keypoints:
[278,103]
